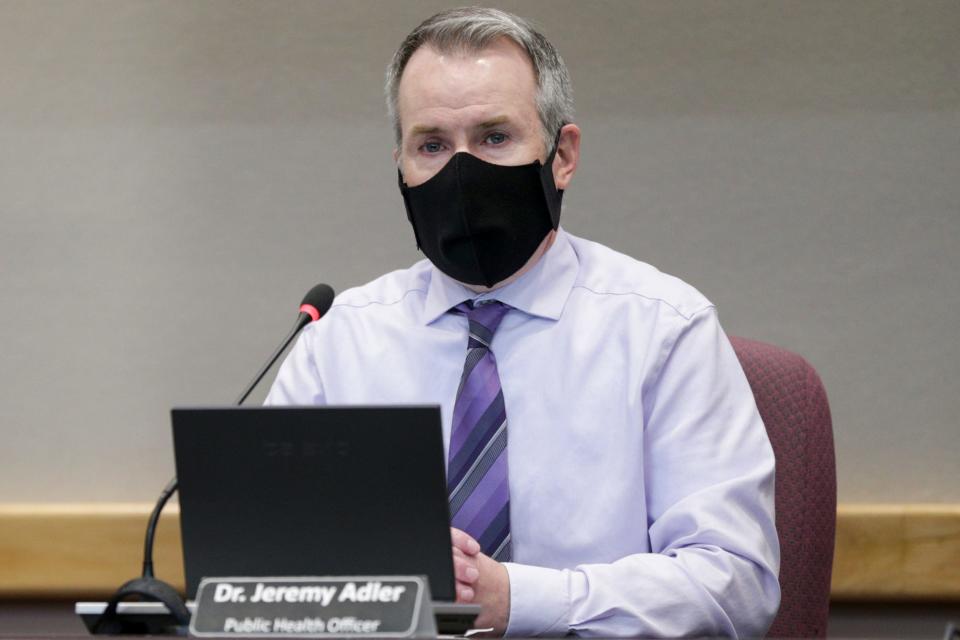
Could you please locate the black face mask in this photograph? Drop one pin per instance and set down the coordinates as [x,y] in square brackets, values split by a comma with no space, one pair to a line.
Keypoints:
[478,222]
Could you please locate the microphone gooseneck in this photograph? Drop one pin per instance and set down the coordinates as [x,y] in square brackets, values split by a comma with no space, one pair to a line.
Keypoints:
[314,305]
[168,491]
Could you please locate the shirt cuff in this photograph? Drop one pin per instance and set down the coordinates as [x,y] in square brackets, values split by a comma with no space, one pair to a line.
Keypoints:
[539,600]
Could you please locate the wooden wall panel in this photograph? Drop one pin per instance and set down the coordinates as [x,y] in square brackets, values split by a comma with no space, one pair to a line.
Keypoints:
[897,552]
[82,550]
[883,552]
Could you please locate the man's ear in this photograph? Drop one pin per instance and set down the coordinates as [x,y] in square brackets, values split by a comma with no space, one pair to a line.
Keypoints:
[567,157]
[397,163]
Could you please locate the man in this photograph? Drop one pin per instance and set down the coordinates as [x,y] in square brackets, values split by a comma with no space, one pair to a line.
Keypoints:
[608,471]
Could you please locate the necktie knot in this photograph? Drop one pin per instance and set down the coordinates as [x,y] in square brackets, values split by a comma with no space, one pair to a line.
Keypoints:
[484,318]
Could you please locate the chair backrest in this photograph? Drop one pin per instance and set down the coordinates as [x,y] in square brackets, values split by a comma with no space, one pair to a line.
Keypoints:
[793,405]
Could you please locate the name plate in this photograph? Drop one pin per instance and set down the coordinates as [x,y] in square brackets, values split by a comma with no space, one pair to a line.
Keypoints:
[314,607]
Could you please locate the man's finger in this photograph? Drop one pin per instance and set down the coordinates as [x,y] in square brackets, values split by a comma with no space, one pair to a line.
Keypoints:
[465,568]
[464,542]
[464,593]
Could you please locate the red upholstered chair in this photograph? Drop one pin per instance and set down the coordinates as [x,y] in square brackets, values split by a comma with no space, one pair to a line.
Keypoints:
[793,405]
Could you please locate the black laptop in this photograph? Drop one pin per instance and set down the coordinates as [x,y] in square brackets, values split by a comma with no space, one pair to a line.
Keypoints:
[315,491]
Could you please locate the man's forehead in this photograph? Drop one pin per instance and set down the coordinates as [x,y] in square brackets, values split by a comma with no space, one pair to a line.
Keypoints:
[500,74]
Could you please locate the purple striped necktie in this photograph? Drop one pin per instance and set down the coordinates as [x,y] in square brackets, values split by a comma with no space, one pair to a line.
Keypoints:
[477,466]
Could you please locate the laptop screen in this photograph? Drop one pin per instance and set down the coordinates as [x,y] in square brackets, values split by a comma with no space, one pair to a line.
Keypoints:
[297,491]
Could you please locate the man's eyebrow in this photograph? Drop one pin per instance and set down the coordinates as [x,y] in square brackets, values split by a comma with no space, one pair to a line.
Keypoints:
[421,129]
[493,122]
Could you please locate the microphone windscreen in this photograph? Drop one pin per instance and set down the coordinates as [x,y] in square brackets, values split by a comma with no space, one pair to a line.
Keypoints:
[320,297]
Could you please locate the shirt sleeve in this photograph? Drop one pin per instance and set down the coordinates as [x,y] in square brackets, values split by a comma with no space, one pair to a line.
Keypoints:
[709,474]
[298,380]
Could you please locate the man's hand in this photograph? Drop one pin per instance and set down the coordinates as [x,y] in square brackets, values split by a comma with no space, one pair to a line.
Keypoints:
[481,580]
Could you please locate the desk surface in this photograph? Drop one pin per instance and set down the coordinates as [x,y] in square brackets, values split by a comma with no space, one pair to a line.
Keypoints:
[56,619]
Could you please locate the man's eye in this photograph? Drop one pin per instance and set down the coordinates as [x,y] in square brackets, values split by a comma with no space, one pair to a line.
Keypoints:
[496,138]
[432,147]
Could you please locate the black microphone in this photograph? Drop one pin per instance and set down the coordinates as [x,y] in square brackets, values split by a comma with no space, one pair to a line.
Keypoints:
[313,306]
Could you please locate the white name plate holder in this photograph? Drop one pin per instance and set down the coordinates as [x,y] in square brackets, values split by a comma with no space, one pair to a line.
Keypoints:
[314,607]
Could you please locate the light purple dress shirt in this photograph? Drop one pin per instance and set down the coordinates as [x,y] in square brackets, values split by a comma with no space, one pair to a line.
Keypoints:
[641,476]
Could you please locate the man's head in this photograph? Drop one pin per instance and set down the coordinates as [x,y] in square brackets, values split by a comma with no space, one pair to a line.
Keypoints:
[470,30]
[470,92]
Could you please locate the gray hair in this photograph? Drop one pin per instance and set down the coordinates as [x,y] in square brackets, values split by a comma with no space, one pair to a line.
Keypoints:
[473,29]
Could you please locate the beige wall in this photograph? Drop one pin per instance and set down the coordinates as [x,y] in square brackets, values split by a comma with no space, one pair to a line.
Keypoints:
[173,176]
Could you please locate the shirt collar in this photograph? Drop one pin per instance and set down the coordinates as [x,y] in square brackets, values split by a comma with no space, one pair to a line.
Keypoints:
[542,291]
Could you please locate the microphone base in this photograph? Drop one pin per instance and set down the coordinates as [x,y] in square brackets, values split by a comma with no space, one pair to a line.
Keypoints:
[159,611]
